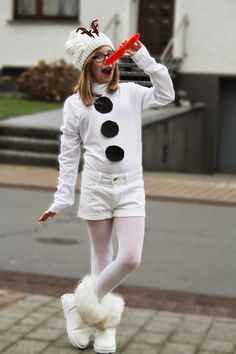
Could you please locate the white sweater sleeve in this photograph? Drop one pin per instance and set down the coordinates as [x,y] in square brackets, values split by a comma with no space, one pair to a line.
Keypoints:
[69,158]
[162,91]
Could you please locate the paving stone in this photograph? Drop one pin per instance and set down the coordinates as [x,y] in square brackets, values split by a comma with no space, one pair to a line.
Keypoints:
[48,309]
[26,347]
[205,352]
[174,317]
[176,348]
[128,331]
[34,319]
[59,315]
[125,335]
[150,337]
[44,334]
[140,312]
[39,298]
[8,297]
[56,323]
[221,319]
[12,313]
[56,350]
[122,341]
[225,331]
[221,347]
[10,336]
[3,345]
[134,319]
[194,326]
[138,348]
[198,318]
[63,342]
[25,306]
[185,337]
[55,303]
[20,328]
[159,325]
[6,322]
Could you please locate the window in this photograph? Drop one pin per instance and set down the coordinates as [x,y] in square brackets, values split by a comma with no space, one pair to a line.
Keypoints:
[46,9]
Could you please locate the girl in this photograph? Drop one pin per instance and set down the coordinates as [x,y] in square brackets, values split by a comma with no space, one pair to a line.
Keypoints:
[106,116]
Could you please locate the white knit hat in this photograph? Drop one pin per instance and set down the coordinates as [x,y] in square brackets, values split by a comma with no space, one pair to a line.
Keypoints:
[83,41]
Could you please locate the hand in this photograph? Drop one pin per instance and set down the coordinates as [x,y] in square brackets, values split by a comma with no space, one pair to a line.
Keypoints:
[47,214]
[134,48]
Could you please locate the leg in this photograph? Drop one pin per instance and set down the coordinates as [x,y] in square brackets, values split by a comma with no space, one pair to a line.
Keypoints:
[100,232]
[96,304]
[130,235]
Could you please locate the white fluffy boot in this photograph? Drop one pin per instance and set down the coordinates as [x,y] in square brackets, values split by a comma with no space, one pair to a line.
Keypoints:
[105,341]
[104,315]
[78,332]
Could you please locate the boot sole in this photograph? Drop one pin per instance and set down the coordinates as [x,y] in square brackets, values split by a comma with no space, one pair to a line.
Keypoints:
[104,351]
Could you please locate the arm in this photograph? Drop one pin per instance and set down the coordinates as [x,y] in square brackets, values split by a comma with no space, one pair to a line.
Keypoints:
[69,158]
[162,91]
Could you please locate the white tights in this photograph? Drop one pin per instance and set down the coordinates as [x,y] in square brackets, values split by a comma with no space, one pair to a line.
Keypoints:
[130,234]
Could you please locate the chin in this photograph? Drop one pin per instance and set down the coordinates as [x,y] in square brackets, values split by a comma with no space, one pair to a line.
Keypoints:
[105,81]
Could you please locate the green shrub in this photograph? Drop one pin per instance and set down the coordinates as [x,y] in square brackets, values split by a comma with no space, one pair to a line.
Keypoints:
[51,82]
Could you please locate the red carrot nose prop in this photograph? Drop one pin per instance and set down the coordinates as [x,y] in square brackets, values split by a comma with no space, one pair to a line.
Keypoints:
[120,51]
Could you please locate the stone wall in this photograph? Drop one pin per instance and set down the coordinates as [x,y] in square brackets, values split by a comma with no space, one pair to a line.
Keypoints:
[172,139]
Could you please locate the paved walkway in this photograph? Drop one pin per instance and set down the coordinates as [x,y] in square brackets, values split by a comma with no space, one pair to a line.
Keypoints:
[34,324]
[217,188]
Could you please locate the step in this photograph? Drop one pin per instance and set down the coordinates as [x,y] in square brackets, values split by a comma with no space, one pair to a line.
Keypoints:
[8,130]
[134,74]
[129,65]
[29,144]
[28,158]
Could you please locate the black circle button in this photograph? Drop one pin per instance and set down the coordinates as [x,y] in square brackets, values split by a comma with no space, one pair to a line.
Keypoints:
[114,153]
[103,105]
[109,129]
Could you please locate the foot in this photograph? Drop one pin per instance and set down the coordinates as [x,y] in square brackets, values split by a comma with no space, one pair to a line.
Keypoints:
[78,332]
[105,341]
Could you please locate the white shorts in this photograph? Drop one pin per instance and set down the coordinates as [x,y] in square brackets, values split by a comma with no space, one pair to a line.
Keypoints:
[105,196]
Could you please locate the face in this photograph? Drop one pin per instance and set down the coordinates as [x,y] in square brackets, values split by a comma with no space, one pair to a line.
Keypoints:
[102,73]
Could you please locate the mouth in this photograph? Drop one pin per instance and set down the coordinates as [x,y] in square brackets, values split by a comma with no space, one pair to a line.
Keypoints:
[107,71]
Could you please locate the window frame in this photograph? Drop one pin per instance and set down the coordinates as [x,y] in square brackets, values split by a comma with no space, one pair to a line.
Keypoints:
[39,14]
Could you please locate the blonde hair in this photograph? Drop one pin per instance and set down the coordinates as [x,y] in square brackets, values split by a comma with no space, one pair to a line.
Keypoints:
[85,83]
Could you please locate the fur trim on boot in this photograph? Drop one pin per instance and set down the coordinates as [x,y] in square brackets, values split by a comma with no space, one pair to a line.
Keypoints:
[87,302]
[102,314]
[113,305]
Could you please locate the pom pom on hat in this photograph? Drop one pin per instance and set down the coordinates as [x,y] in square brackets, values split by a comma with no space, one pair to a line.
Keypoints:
[82,42]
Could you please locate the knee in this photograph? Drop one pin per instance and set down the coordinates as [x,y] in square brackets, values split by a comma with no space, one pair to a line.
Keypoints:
[131,262]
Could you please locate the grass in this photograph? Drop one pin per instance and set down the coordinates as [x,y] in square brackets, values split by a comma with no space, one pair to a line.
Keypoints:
[16,106]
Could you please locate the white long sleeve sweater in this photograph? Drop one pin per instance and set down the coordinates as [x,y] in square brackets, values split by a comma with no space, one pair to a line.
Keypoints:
[114,122]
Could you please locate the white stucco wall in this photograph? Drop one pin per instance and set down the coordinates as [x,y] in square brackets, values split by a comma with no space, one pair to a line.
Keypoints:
[23,43]
[104,10]
[211,36]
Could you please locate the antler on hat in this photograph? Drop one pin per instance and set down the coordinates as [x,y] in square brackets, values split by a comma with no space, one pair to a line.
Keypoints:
[83,41]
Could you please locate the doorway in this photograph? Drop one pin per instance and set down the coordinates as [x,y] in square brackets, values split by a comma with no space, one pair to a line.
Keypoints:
[156,24]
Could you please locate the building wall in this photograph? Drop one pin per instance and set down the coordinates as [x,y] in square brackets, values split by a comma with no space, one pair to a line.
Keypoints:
[205,88]
[23,42]
[104,10]
[211,36]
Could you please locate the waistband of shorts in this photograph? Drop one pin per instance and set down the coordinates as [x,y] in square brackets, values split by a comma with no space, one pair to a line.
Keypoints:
[114,178]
